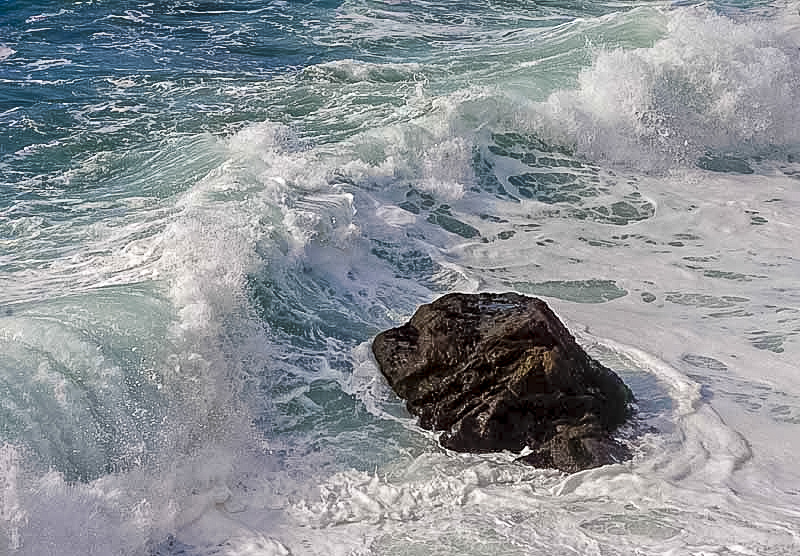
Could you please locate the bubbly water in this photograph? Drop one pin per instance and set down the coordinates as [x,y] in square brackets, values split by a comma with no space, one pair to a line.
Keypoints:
[209,208]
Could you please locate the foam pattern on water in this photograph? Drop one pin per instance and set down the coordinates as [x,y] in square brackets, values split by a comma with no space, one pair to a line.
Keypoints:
[189,294]
[402,506]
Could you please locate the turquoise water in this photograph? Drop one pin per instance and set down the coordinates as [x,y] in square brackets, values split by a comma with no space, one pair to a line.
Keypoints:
[208,209]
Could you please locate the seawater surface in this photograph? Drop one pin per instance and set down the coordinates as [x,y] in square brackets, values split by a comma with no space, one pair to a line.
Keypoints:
[209,208]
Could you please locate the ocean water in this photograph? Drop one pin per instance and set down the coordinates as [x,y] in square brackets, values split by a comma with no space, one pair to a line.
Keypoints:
[209,208]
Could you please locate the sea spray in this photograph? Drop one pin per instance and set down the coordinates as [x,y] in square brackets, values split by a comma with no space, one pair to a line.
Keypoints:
[207,212]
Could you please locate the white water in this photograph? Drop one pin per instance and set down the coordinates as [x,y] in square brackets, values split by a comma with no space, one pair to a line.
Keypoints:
[214,416]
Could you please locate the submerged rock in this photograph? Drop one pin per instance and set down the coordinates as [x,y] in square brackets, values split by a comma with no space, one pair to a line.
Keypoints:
[501,372]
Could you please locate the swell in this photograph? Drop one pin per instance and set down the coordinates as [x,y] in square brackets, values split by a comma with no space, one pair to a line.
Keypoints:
[207,296]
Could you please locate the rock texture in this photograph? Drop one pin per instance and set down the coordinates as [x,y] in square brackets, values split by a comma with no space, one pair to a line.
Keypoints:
[501,372]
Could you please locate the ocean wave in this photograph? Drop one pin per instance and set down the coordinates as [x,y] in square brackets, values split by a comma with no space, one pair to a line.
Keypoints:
[712,84]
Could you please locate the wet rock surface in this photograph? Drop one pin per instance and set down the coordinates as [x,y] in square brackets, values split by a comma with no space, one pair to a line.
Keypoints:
[501,372]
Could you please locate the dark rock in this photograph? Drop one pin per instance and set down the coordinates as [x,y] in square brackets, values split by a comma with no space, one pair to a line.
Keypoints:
[501,372]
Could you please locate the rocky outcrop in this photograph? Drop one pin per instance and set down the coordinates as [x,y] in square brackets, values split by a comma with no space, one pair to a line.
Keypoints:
[501,372]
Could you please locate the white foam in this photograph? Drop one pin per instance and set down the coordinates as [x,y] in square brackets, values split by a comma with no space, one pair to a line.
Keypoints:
[354,71]
[47,64]
[715,479]
[12,516]
[711,83]
[6,52]
[446,169]
[43,16]
[202,251]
